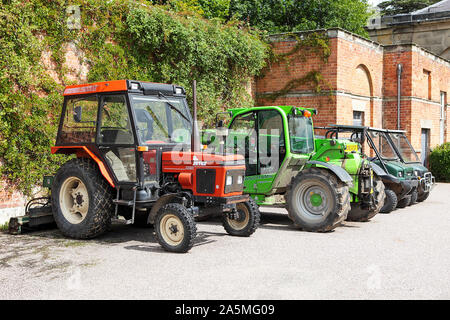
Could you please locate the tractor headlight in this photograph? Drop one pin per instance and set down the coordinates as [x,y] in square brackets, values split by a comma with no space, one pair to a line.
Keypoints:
[400,174]
[239,180]
[416,173]
[229,181]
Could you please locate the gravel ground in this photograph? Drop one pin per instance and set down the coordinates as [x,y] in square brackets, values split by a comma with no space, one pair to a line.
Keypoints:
[402,255]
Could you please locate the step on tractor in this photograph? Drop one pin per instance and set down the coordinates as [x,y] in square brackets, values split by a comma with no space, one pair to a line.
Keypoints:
[408,156]
[137,156]
[401,180]
[323,181]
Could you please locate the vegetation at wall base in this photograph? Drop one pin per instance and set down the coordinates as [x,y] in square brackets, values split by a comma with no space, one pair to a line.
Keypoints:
[440,162]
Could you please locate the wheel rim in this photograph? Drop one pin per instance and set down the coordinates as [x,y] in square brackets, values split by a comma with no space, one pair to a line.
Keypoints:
[172,229]
[244,217]
[313,200]
[74,200]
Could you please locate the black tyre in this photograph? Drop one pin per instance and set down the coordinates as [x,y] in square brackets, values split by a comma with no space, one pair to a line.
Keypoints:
[413,197]
[247,221]
[81,200]
[404,202]
[423,196]
[317,201]
[390,201]
[361,215]
[175,228]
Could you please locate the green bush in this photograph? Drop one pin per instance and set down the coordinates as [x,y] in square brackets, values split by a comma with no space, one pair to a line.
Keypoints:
[440,162]
[119,40]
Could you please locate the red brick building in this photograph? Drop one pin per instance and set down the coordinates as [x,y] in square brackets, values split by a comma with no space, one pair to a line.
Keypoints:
[360,85]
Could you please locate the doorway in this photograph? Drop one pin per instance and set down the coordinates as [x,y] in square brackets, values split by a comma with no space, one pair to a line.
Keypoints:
[425,146]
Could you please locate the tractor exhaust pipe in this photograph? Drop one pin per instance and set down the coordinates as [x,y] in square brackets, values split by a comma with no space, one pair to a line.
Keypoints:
[195,147]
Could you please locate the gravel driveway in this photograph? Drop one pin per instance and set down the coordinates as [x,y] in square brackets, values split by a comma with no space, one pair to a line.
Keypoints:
[402,255]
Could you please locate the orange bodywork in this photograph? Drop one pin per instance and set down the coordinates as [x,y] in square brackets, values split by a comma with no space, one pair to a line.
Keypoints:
[186,163]
[84,152]
[96,87]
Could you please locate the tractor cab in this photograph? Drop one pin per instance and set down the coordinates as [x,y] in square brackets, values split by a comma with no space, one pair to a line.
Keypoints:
[139,141]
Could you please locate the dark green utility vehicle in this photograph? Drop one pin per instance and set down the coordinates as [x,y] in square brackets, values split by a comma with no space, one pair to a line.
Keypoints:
[408,156]
[399,179]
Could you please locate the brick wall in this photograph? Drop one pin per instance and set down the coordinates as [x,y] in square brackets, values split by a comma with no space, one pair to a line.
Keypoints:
[361,76]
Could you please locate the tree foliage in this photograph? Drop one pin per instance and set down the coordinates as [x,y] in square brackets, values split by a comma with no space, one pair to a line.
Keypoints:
[393,7]
[297,15]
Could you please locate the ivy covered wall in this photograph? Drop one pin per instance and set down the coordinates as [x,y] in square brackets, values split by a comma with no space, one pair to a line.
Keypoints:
[46,45]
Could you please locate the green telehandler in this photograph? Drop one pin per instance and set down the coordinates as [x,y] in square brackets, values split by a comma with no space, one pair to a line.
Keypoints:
[323,181]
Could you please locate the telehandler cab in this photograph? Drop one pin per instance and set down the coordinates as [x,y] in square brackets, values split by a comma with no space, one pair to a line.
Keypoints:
[138,156]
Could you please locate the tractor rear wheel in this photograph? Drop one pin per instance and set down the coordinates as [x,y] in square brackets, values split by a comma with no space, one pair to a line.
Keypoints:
[247,221]
[361,215]
[423,196]
[404,202]
[81,200]
[317,201]
[413,197]
[390,201]
[175,228]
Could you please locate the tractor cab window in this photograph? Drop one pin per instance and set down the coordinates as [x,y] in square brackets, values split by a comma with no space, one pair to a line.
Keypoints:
[242,140]
[382,144]
[403,146]
[116,137]
[116,125]
[271,148]
[301,135]
[161,120]
[80,121]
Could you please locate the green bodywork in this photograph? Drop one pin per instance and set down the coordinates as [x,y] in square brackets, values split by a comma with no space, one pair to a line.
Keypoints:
[264,187]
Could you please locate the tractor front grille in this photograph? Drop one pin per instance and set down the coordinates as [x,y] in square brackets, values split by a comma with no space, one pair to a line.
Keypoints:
[206,180]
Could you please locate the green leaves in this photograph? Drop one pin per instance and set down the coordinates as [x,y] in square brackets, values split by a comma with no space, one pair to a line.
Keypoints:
[118,40]
[440,162]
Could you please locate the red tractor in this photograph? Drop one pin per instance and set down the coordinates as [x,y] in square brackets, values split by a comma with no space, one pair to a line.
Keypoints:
[138,156]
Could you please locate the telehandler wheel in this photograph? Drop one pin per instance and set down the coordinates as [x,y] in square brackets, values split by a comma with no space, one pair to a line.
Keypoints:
[317,201]
[81,200]
[413,197]
[423,196]
[247,221]
[390,202]
[175,228]
[362,215]
[404,202]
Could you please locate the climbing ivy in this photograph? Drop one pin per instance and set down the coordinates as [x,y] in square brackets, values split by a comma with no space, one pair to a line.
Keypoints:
[117,40]
[316,42]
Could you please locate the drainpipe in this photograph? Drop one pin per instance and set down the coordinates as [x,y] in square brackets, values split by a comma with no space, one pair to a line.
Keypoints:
[399,93]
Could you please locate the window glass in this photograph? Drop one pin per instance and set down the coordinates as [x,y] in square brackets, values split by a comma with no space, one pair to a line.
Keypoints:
[242,140]
[403,146]
[382,144]
[80,120]
[301,134]
[116,125]
[161,120]
[270,141]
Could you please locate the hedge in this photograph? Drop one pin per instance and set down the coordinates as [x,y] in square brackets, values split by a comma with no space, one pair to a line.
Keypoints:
[440,162]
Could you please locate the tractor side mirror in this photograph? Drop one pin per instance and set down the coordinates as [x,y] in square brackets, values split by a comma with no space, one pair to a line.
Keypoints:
[77,111]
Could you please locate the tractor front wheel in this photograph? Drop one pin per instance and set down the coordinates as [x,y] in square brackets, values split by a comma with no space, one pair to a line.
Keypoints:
[361,215]
[175,228]
[423,196]
[317,201]
[246,220]
[81,200]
